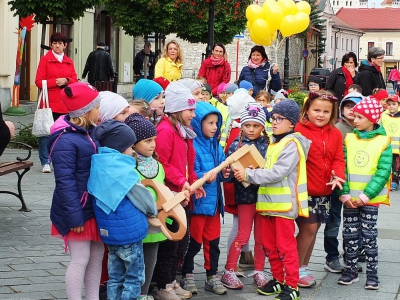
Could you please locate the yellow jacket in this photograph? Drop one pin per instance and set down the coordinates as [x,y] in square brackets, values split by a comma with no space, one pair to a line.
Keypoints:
[168,69]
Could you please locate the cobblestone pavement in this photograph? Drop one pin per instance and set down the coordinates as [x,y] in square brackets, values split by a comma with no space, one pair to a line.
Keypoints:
[33,264]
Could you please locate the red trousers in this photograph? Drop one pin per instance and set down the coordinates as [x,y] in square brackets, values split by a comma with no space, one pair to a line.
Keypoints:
[246,216]
[281,249]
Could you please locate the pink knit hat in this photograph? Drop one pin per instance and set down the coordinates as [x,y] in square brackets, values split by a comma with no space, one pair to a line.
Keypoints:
[370,108]
[222,88]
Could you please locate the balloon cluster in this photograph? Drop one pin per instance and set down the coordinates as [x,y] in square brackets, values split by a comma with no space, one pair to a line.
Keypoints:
[284,15]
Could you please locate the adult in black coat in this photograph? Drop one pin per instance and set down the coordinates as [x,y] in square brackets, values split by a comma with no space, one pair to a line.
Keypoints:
[139,67]
[99,65]
[7,131]
[370,74]
[341,78]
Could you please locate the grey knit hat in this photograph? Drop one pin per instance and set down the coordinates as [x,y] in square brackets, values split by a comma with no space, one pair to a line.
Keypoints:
[115,135]
[253,112]
[281,94]
[178,98]
[288,109]
[191,84]
[232,87]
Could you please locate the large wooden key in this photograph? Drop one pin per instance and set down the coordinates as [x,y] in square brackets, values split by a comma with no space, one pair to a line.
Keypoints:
[240,159]
[176,213]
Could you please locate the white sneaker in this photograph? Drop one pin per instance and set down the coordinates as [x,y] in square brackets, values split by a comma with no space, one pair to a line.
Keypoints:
[46,168]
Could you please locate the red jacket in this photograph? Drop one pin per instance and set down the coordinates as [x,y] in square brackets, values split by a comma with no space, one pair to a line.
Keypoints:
[215,75]
[50,69]
[176,156]
[326,154]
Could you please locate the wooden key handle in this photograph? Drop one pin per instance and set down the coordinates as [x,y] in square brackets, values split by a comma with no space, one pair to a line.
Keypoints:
[176,213]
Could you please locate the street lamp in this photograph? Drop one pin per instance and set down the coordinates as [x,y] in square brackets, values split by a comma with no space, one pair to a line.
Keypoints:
[210,28]
[286,66]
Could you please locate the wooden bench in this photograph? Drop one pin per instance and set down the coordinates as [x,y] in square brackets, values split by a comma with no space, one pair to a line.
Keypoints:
[17,166]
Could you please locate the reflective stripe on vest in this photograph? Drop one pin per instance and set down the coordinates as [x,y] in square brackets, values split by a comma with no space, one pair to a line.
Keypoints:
[279,193]
[392,128]
[362,163]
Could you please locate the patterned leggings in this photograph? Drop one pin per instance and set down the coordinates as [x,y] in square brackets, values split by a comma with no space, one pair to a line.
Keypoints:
[364,219]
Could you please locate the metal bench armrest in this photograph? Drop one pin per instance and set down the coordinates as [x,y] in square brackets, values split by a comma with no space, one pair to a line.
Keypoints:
[26,146]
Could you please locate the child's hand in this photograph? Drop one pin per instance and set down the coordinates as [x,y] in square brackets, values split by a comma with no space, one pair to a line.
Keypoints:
[211,177]
[349,204]
[336,181]
[78,229]
[358,203]
[226,172]
[239,174]
[200,192]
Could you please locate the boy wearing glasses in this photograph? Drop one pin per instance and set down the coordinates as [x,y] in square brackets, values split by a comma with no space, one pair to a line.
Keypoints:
[282,197]
[331,243]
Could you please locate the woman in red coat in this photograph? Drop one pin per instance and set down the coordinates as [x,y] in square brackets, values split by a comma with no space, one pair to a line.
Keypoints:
[216,69]
[59,71]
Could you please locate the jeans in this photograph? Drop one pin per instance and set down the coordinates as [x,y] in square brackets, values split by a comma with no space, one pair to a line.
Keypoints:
[331,231]
[43,151]
[126,271]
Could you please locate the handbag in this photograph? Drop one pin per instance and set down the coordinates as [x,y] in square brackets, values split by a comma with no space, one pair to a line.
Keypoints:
[43,119]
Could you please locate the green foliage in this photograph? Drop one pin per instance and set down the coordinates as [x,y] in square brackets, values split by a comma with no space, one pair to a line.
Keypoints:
[24,135]
[59,10]
[297,95]
[318,23]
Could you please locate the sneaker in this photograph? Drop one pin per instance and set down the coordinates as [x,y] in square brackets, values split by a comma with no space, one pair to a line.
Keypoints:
[334,266]
[167,294]
[306,279]
[272,287]
[180,292]
[246,260]
[288,293]
[260,278]
[239,272]
[395,186]
[372,282]
[348,277]
[46,168]
[215,285]
[361,255]
[230,280]
[188,283]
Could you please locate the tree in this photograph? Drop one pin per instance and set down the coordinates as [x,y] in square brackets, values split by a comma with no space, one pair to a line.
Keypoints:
[188,19]
[318,23]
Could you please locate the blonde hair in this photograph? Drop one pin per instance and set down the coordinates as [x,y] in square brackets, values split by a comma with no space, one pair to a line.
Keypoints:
[175,118]
[84,121]
[143,106]
[179,57]
[201,79]
[323,96]
[265,94]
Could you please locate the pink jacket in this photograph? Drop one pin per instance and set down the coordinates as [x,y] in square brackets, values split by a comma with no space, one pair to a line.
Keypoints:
[394,75]
[50,69]
[176,155]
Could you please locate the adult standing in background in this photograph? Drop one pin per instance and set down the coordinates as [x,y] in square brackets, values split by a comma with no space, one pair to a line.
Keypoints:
[59,71]
[170,64]
[99,65]
[215,68]
[370,73]
[259,71]
[342,78]
[144,63]
[394,76]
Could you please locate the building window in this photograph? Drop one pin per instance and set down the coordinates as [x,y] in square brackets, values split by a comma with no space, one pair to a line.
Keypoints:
[347,44]
[370,45]
[332,42]
[337,43]
[342,43]
[350,3]
[389,48]
[346,3]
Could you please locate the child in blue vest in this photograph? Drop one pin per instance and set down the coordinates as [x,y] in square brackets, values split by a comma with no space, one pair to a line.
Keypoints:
[121,206]
[205,221]
[282,197]
[368,155]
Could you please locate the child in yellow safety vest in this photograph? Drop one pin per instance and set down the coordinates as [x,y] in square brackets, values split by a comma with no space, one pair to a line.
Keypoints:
[282,197]
[368,154]
[391,122]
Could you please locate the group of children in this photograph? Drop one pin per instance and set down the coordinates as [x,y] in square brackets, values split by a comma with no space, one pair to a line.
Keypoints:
[104,148]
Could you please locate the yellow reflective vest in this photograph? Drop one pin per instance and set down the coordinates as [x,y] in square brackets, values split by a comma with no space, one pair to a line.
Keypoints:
[392,128]
[268,126]
[223,109]
[279,195]
[362,163]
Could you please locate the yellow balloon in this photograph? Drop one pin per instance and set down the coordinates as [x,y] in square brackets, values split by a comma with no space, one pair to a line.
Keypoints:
[304,6]
[273,16]
[268,3]
[260,28]
[288,25]
[273,36]
[254,12]
[259,41]
[288,7]
[248,25]
[303,20]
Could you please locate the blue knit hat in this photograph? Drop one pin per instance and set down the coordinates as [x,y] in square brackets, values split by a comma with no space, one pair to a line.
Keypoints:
[288,109]
[147,90]
[231,88]
[244,84]
[115,135]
